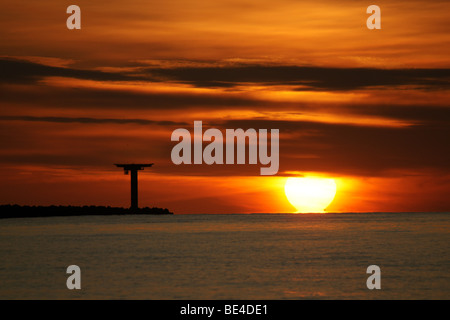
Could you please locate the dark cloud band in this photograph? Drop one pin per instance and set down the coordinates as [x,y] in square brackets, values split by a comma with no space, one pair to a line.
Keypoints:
[91,120]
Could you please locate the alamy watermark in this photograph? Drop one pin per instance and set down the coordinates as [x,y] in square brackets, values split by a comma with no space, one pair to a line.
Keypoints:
[213,153]
[74,280]
[73,22]
[374,280]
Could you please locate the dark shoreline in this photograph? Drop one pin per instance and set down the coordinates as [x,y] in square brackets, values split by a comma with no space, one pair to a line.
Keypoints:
[16,211]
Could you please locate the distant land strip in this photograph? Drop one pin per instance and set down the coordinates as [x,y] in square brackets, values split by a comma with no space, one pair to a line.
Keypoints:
[17,211]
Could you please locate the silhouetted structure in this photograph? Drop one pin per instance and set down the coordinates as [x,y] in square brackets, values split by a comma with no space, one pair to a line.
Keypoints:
[134,168]
[16,211]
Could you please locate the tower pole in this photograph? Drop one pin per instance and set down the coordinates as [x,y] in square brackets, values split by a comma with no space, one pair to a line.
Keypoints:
[134,168]
[134,189]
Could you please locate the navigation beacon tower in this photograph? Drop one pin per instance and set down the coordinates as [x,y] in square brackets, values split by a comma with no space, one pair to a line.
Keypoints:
[133,168]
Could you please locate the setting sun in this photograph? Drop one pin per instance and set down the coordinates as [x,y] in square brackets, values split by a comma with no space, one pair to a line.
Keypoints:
[310,194]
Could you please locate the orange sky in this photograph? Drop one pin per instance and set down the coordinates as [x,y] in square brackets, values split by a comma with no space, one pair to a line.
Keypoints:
[366,107]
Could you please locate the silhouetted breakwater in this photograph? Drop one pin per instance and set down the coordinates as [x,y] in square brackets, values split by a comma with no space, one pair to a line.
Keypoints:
[16,211]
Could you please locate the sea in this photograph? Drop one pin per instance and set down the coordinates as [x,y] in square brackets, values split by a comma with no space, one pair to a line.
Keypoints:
[227,256]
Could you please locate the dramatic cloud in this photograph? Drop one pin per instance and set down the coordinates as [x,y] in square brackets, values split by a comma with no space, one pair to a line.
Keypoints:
[369,151]
[90,120]
[307,78]
[21,71]
[301,78]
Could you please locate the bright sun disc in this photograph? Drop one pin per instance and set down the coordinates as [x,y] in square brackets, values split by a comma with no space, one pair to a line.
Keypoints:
[310,194]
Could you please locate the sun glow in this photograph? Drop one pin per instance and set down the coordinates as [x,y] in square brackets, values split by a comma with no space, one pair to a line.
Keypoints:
[309,195]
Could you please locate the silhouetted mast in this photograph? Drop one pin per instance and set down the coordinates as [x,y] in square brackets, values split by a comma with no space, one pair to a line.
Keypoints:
[134,168]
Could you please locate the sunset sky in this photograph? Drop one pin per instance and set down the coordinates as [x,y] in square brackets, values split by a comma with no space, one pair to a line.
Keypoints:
[368,108]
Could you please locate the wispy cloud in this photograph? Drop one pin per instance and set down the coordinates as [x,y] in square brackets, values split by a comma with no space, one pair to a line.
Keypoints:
[23,71]
[86,120]
[306,78]
[298,77]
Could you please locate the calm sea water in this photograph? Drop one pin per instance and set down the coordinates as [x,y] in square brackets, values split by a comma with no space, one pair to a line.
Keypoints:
[257,256]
